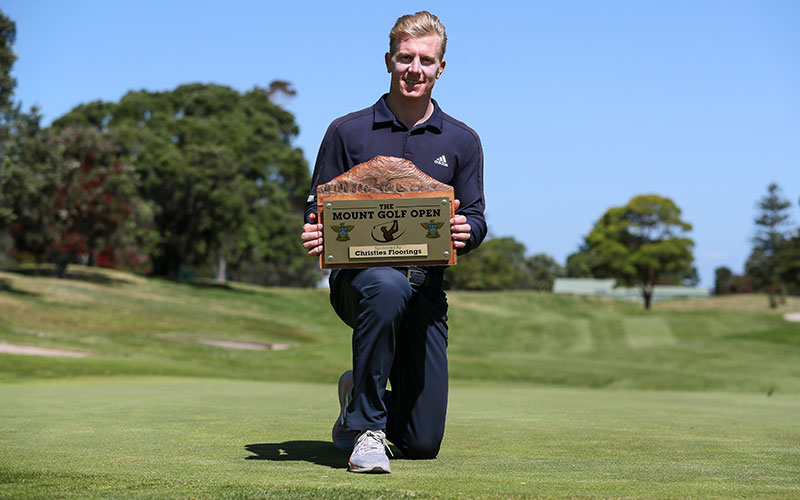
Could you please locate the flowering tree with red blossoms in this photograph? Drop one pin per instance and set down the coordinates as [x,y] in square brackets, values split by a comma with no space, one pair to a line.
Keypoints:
[92,213]
[96,207]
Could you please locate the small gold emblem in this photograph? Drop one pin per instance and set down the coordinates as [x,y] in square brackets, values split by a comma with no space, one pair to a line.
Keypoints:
[432,228]
[342,231]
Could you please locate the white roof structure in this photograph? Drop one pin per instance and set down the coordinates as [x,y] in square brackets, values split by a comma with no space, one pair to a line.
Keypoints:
[605,288]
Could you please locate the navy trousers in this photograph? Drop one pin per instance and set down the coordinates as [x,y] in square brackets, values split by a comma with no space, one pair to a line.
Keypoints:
[400,336]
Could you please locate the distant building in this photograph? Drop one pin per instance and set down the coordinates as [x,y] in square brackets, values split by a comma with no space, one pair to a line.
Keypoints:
[583,286]
[605,288]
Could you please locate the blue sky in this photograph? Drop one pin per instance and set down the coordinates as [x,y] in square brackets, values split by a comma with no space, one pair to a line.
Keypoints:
[580,105]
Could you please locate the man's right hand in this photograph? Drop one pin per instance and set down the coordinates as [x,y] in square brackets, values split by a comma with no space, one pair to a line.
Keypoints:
[312,236]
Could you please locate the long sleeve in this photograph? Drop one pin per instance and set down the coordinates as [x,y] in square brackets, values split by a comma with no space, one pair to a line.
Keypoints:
[330,163]
[468,188]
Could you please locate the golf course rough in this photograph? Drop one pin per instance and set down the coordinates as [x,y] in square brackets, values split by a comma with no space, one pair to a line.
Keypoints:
[551,396]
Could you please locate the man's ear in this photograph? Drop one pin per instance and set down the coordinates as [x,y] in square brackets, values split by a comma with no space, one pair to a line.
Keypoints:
[388,59]
[441,69]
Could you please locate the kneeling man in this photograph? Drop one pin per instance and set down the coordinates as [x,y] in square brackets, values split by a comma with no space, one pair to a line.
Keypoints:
[399,314]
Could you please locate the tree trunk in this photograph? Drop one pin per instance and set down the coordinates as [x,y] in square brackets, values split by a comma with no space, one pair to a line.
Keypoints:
[221,265]
[647,295]
[167,262]
[61,268]
[648,286]
[773,293]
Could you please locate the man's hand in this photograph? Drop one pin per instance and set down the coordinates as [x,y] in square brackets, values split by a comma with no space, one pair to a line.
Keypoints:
[459,229]
[312,236]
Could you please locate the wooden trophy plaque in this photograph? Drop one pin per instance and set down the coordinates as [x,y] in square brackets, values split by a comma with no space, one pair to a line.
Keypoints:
[385,212]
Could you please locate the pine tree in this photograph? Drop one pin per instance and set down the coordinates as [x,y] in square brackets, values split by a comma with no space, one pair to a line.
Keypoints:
[771,221]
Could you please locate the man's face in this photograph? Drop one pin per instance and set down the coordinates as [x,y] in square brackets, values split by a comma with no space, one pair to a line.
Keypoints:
[415,66]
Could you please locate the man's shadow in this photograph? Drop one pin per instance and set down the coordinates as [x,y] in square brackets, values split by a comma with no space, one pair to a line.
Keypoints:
[317,452]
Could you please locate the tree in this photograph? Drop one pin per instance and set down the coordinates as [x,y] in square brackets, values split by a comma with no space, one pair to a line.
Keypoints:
[31,177]
[64,196]
[73,200]
[769,237]
[581,263]
[726,282]
[723,280]
[685,277]
[772,218]
[498,264]
[98,215]
[8,34]
[787,264]
[640,243]
[213,162]
[29,163]
[271,252]
[740,283]
[543,271]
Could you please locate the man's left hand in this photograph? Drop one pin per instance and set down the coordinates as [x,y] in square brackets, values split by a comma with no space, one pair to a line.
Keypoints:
[459,229]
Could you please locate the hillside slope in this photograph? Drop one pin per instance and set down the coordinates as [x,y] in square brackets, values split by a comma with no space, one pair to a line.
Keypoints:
[129,324]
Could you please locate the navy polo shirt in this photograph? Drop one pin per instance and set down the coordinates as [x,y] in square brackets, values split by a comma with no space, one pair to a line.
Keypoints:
[442,147]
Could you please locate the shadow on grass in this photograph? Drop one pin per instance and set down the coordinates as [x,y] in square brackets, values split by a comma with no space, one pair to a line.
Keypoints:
[6,286]
[317,452]
[212,285]
[50,272]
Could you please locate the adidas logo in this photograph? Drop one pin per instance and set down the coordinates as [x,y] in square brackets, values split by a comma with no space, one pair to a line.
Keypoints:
[441,161]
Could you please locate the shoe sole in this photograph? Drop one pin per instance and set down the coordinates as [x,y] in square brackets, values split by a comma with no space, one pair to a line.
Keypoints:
[344,392]
[341,439]
[368,470]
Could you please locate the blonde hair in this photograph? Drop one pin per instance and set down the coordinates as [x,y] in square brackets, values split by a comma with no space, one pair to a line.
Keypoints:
[416,25]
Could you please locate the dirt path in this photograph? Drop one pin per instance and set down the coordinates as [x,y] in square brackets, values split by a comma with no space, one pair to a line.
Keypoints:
[30,350]
[792,317]
[231,344]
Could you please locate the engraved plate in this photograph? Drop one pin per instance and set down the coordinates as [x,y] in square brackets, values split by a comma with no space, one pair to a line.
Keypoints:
[385,212]
[381,229]
[388,251]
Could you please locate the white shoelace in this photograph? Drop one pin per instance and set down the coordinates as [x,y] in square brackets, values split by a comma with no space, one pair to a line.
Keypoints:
[371,442]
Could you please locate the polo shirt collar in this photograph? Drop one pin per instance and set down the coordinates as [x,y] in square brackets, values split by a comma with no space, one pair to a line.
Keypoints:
[382,114]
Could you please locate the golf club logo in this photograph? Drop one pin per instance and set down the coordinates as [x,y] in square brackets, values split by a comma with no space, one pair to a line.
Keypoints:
[432,228]
[342,232]
[386,232]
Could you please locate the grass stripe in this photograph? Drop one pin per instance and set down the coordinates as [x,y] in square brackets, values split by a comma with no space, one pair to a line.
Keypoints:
[643,333]
[184,438]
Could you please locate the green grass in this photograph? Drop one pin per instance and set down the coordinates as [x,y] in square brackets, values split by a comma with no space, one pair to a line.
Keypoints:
[552,396]
[137,326]
[195,438]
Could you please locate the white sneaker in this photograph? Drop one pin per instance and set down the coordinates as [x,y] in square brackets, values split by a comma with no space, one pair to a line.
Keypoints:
[342,439]
[369,453]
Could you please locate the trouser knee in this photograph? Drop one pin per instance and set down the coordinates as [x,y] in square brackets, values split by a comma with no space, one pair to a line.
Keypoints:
[385,292]
[378,294]
[421,450]
[389,284]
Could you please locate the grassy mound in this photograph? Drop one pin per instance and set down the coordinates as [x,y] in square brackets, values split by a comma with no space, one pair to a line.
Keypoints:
[139,326]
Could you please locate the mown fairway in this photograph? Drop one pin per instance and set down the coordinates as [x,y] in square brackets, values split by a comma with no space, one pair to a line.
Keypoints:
[552,397]
[194,438]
